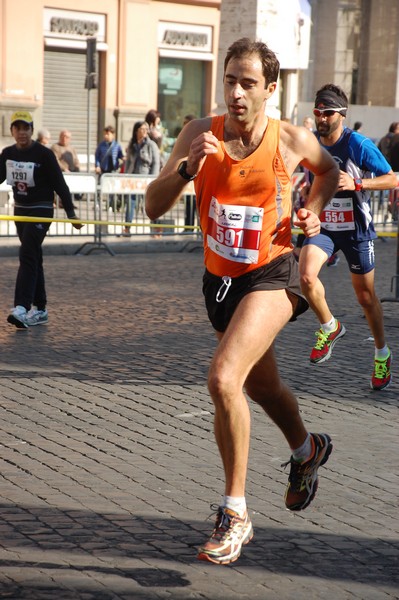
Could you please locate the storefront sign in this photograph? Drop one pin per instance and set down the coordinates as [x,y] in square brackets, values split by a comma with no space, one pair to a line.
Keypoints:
[73,25]
[179,36]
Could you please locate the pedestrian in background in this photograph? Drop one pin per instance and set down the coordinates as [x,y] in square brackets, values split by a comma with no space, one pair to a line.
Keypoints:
[109,153]
[393,153]
[186,119]
[34,174]
[65,153]
[308,122]
[142,158]
[109,159]
[385,142]
[153,119]
[44,137]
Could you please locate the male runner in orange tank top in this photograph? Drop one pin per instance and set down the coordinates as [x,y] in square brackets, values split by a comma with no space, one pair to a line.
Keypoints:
[241,164]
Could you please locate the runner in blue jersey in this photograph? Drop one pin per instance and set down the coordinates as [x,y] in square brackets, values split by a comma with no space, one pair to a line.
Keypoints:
[347,225]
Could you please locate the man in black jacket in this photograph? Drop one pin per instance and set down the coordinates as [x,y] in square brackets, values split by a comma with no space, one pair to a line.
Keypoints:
[34,174]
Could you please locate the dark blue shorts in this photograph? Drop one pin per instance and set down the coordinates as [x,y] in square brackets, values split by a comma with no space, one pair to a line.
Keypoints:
[359,255]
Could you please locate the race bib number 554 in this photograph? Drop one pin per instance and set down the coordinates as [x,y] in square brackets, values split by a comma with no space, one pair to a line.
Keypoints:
[234,231]
[338,215]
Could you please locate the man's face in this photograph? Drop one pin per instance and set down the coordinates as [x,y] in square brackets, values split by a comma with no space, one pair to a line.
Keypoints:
[65,139]
[327,124]
[22,133]
[244,88]
[108,136]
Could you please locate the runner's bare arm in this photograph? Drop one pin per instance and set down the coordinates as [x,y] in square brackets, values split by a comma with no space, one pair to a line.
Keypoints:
[302,146]
[388,181]
[298,145]
[194,143]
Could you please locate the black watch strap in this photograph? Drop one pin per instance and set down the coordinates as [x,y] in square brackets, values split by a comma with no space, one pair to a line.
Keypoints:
[181,169]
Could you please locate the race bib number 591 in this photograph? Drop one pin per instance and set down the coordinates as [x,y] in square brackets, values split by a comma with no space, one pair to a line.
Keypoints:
[234,231]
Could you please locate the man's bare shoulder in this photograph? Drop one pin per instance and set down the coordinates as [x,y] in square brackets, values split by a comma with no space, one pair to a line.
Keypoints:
[291,135]
[197,126]
[189,132]
[296,144]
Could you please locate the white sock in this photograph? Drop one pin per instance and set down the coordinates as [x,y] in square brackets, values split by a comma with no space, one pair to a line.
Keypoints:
[381,353]
[303,452]
[236,503]
[330,326]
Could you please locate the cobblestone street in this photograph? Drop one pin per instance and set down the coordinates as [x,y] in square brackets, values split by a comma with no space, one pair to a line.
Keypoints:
[108,464]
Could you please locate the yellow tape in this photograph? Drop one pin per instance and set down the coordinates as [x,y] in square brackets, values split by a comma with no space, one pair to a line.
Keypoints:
[129,224]
[379,233]
[93,222]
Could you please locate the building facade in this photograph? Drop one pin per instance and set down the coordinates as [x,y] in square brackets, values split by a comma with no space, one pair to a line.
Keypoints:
[355,44]
[148,54]
[168,55]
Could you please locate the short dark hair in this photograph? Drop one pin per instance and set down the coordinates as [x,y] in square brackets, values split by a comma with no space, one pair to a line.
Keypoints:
[152,116]
[245,46]
[109,128]
[393,126]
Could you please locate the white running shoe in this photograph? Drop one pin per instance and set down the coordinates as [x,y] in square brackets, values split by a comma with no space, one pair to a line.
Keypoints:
[18,316]
[36,317]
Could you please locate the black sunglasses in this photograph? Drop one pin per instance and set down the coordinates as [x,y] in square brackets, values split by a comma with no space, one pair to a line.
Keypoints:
[327,112]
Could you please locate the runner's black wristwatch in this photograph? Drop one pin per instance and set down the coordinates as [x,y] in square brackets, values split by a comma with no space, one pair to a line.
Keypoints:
[181,169]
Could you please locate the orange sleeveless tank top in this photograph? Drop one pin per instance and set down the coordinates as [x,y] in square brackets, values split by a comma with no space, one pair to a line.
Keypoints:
[244,205]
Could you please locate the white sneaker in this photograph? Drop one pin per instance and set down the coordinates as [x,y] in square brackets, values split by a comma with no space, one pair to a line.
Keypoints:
[36,317]
[18,317]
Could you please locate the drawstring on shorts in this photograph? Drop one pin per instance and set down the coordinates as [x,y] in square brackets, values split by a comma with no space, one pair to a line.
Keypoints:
[224,288]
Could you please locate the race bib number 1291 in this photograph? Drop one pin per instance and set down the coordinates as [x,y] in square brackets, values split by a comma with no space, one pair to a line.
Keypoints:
[20,174]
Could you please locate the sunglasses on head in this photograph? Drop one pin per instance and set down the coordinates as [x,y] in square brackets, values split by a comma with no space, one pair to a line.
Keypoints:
[327,112]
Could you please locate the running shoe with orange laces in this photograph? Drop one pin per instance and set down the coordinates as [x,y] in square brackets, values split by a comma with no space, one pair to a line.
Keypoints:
[381,377]
[230,533]
[303,479]
[322,349]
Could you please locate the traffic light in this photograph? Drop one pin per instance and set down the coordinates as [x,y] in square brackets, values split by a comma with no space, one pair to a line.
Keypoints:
[91,53]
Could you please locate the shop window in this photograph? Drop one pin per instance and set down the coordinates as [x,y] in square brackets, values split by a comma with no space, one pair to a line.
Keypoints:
[181,91]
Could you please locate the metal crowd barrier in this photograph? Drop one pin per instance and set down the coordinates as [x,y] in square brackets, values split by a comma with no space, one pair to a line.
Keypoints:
[118,201]
[83,188]
[114,206]
[104,203]
[122,201]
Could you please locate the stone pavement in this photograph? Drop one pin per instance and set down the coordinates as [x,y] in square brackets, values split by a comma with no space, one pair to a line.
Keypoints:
[108,464]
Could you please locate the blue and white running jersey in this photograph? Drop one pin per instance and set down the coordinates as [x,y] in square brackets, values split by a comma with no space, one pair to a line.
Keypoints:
[349,213]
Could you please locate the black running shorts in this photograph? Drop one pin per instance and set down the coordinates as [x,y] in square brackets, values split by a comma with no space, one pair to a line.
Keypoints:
[281,274]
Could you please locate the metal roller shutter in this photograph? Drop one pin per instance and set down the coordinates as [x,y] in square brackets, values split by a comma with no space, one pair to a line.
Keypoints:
[65,103]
